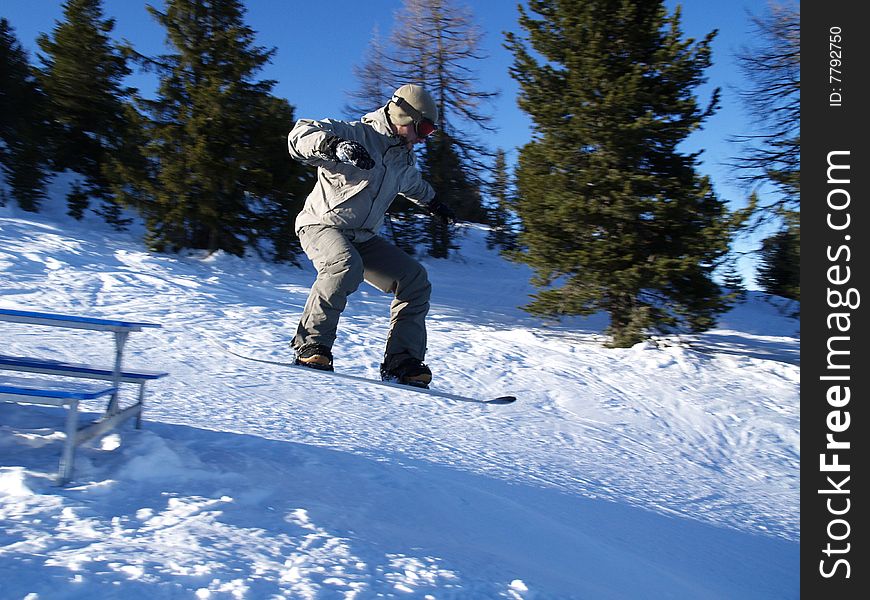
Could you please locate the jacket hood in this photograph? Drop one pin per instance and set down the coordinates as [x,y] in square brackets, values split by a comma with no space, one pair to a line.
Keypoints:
[378,120]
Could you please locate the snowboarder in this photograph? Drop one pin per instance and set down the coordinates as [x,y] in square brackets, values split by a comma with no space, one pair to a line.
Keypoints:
[361,167]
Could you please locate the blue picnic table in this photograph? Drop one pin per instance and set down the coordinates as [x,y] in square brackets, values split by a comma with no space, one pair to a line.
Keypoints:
[63,386]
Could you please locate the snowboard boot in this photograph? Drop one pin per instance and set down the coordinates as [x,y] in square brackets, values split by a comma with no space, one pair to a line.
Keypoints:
[407,370]
[314,356]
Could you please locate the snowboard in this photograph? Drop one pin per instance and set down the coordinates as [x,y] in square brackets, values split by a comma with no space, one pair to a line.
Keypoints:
[368,381]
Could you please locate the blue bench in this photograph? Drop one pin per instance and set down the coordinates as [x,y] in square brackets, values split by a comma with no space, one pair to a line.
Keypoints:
[67,394]
[47,366]
[65,388]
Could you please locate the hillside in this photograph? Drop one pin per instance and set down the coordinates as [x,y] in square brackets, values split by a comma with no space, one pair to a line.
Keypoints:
[659,471]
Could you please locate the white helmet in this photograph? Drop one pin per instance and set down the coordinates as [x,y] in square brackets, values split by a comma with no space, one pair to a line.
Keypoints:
[412,104]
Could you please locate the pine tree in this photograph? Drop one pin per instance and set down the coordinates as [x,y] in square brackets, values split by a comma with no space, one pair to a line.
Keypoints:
[771,157]
[443,169]
[779,272]
[733,280]
[82,74]
[22,124]
[771,67]
[77,202]
[504,229]
[615,217]
[214,137]
[277,193]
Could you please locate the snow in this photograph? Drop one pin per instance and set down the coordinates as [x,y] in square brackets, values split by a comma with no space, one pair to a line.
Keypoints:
[666,470]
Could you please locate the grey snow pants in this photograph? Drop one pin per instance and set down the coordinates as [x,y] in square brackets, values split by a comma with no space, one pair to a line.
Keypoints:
[342,265]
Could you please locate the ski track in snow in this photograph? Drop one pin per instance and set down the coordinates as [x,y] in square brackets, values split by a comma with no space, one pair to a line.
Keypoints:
[704,432]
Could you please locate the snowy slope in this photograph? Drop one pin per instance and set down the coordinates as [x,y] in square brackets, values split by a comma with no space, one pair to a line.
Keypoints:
[649,472]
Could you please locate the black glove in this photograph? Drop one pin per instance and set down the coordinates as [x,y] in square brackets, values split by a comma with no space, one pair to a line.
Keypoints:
[441,210]
[346,151]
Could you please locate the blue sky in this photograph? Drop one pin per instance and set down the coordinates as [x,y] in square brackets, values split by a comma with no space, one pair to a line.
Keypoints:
[318,44]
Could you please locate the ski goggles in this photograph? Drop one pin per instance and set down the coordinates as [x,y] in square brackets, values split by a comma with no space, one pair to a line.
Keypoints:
[422,126]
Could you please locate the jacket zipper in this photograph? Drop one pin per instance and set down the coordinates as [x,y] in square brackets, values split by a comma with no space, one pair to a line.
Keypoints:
[380,185]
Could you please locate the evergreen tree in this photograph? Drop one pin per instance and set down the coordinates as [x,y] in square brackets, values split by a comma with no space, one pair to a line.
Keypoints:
[214,137]
[405,225]
[504,229]
[82,74]
[615,217]
[434,44]
[77,202]
[770,157]
[443,169]
[733,280]
[279,184]
[779,272]
[771,67]
[22,124]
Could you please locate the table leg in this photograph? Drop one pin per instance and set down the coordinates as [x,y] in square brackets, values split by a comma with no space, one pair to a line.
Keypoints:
[120,341]
[67,457]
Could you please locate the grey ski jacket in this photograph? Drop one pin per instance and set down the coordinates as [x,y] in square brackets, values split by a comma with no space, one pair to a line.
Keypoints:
[349,198]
